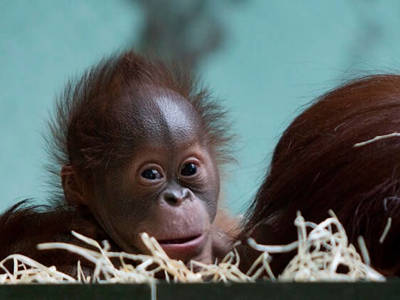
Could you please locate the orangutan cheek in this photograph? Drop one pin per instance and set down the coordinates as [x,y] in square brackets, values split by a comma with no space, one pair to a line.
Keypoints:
[122,211]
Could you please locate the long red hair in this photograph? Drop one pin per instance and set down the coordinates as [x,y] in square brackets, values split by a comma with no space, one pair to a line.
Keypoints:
[315,167]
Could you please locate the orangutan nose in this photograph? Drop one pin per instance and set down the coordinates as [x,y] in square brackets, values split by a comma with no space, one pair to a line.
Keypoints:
[175,197]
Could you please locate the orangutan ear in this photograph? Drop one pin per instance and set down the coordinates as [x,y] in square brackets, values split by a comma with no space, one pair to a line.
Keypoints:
[73,189]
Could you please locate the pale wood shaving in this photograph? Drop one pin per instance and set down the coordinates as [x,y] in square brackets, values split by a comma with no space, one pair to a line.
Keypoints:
[386,230]
[377,138]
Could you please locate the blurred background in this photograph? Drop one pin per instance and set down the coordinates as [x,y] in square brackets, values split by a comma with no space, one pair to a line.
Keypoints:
[266,60]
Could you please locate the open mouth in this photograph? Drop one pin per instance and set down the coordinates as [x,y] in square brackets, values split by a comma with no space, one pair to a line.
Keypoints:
[179,241]
[183,248]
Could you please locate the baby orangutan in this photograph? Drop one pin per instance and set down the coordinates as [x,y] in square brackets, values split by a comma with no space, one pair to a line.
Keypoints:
[138,149]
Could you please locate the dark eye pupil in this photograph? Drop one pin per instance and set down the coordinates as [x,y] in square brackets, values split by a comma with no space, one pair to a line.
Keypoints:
[189,169]
[151,174]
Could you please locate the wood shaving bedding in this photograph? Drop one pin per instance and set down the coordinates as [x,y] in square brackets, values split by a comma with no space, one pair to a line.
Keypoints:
[323,254]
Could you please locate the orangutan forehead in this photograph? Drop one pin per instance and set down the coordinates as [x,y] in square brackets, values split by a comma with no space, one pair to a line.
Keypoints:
[163,115]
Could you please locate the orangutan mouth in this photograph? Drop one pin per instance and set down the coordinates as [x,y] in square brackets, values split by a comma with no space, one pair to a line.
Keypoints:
[179,240]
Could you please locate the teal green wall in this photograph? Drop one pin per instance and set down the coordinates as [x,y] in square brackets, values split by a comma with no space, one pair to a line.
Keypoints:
[277,57]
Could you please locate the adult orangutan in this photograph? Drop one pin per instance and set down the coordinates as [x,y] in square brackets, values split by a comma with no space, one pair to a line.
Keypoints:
[319,164]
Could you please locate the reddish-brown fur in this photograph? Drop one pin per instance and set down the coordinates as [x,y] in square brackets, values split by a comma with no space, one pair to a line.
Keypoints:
[22,227]
[316,168]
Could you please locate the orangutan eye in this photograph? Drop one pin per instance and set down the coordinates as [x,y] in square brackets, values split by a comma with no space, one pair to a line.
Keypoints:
[188,169]
[151,174]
